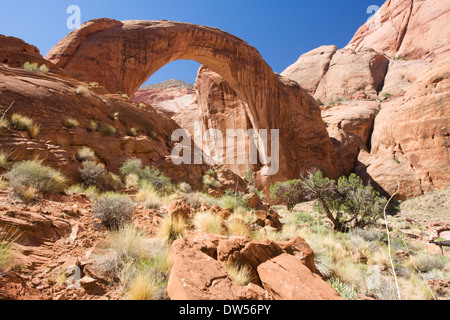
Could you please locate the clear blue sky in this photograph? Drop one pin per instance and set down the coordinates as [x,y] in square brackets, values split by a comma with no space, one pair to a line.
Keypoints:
[281,30]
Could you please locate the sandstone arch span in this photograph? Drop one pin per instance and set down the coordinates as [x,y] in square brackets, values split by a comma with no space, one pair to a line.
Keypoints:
[122,55]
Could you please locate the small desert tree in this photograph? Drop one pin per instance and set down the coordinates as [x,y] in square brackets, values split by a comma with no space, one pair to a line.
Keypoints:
[289,192]
[347,204]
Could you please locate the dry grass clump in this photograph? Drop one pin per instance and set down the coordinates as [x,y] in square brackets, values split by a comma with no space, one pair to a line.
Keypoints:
[207,222]
[171,229]
[24,123]
[241,275]
[139,264]
[70,123]
[85,154]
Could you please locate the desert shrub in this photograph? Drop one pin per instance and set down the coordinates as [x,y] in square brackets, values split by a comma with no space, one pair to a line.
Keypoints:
[347,203]
[85,154]
[107,130]
[132,166]
[113,210]
[132,132]
[75,189]
[195,199]
[70,123]
[44,69]
[33,175]
[289,193]
[185,187]
[93,126]
[345,290]
[158,180]
[387,95]
[143,288]
[93,173]
[31,67]
[232,201]
[427,262]
[209,180]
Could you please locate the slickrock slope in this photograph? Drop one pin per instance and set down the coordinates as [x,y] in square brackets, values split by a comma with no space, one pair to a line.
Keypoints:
[51,98]
[310,68]
[132,51]
[409,29]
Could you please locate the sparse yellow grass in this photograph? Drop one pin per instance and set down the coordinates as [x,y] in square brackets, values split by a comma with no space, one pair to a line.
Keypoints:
[132,181]
[33,131]
[24,123]
[237,227]
[129,242]
[82,91]
[4,160]
[21,122]
[239,274]
[171,229]
[70,123]
[143,287]
[207,222]
[3,184]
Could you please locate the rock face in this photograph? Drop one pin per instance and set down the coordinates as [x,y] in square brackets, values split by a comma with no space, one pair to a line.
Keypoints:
[350,125]
[310,68]
[50,98]
[330,74]
[170,97]
[353,76]
[407,28]
[401,75]
[411,137]
[198,273]
[399,57]
[271,101]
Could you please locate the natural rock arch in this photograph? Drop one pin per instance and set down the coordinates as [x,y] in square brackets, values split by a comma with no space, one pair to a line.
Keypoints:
[121,56]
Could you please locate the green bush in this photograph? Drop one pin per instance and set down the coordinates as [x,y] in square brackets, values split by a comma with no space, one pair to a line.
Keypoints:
[107,130]
[32,174]
[95,174]
[347,204]
[113,210]
[158,180]
[288,193]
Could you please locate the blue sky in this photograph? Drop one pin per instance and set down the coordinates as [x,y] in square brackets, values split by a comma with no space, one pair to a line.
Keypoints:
[281,30]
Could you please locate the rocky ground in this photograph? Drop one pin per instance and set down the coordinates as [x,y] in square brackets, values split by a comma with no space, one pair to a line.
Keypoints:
[58,235]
